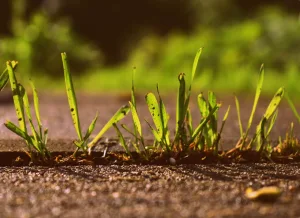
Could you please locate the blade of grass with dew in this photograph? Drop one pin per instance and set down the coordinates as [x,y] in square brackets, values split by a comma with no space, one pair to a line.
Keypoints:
[257,95]
[237,104]
[121,139]
[292,106]
[71,96]
[119,115]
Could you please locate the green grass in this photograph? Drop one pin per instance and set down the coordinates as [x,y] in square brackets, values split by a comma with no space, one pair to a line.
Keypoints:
[38,139]
[190,137]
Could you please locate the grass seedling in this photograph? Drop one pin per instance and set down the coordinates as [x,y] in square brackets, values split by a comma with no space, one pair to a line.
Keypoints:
[38,139]
[160,119]
[182,107]
[267,122]
[244,135]
[210,137]
[119,115]
[82,141]
[137,132]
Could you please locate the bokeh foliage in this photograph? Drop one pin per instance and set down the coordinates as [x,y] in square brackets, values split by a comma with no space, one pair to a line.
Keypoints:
[234,47]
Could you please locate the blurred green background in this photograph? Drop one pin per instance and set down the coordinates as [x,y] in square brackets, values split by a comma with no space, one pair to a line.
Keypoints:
[106,39]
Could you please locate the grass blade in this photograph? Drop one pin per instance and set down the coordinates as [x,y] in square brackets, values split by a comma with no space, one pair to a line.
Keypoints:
[292,106]
[195,64]
[27,110]
[272,108]
[71,96]
[119,115]
[36,107]
[154,132]
[217,141]
[189,121]
[180,107]
[91,128]
[202,105]
[164,120]
[12,127]
[4,79]
[135,118]
[121,139]
[16,95]
[203,122]
[237,104]
[257,95]
[155,113]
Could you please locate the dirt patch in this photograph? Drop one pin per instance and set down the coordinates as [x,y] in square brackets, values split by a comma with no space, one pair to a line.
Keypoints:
[147,191]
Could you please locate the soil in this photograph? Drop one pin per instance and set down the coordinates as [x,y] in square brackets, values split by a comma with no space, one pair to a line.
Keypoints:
[182,190]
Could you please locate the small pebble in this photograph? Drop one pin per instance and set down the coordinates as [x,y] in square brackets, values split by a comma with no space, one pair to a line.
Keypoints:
[172,161]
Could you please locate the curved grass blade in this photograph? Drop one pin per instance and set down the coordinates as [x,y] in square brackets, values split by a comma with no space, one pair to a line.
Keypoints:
[217,141]
[121,139]
[71,96]
[91,128]
[154,132]
[119,115]
[12,127]
[257,95]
